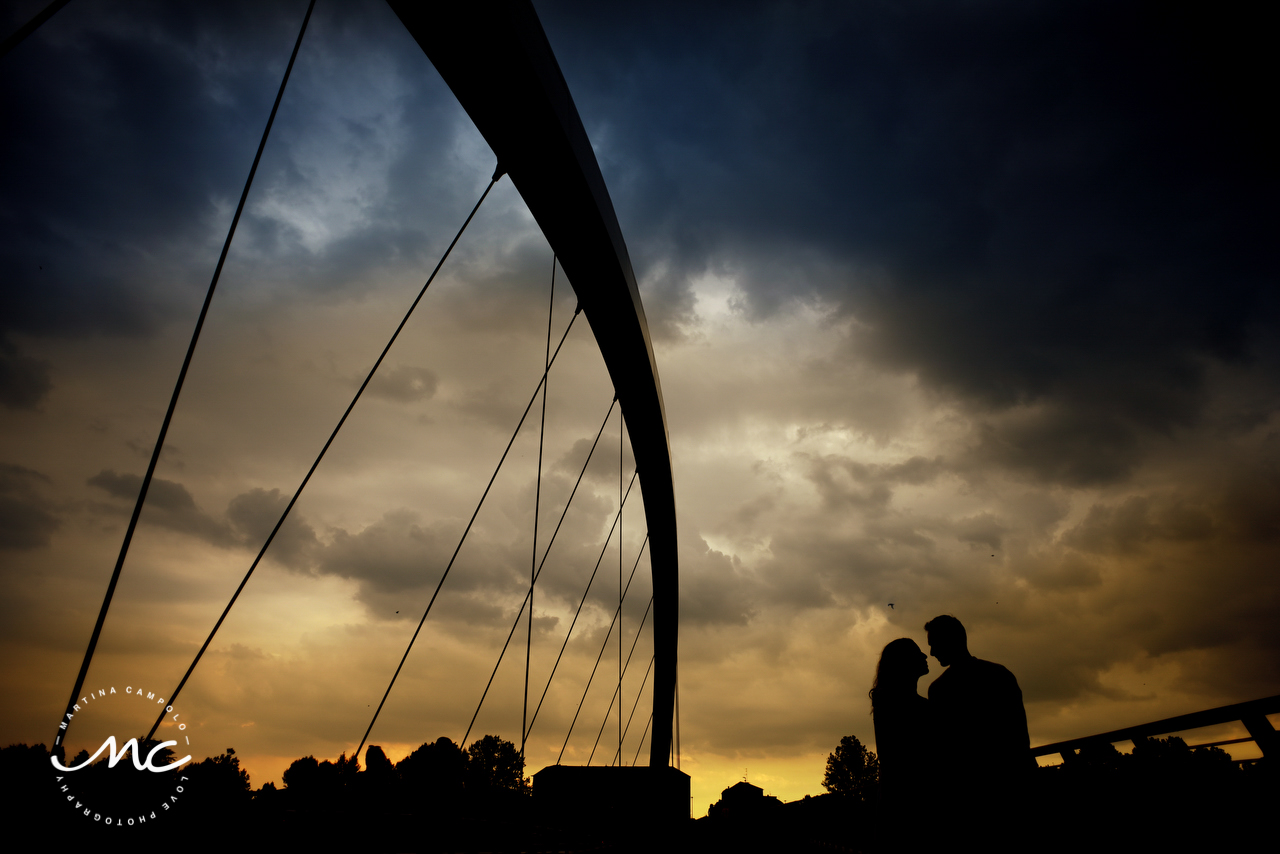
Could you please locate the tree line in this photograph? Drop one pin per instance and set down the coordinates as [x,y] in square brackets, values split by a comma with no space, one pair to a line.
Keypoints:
[458,792]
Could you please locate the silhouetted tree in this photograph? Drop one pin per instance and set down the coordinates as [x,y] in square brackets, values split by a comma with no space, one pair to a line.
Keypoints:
[1171,758]
[319,785]
[340,774]
[376,762]
[852,770]
[24,769]
[302,777]
[435,772]
[221,773]
[220,786]
[495,765]
[1100,755]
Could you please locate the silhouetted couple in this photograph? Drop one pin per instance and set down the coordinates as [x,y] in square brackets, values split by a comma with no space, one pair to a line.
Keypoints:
[956,765]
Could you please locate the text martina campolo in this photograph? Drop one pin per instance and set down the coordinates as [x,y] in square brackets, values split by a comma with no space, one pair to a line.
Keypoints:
[113,755]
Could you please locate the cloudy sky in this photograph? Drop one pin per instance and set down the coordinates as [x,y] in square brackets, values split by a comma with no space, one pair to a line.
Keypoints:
[965,307]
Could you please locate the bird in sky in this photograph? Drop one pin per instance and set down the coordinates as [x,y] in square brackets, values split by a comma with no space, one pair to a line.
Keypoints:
[890,604]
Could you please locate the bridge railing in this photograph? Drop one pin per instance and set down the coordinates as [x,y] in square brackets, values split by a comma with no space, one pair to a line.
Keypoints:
[1253,715]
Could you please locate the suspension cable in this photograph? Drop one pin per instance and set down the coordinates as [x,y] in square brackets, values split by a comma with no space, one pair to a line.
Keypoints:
[635,705]
[641,744]
[529,595]
[603,724]
[537,500]
[676,747]
[618,693]
[607,539]
[17,36]
[182,373]
[622,425]
[600,656]
[497,174]
[466,531]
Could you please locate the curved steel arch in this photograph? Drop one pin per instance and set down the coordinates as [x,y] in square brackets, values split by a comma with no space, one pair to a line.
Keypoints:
[495,57]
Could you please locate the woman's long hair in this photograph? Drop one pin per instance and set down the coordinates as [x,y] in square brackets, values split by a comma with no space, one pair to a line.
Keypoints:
[895,666]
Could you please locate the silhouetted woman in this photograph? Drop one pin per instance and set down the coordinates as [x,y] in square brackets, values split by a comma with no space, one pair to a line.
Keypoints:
[904,730]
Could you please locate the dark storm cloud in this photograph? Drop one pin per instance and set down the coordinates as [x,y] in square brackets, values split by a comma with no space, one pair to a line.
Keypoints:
[1199,577]
[714,588]
[115,132]
[983,529]
[1061,204]
[24,381]
[398,561]
[247,522]
[1065,443]
[169,504]
[253,514]
[843,482]
[162,494]
[131,129]
[394,554]
[1126,528]
[27,518]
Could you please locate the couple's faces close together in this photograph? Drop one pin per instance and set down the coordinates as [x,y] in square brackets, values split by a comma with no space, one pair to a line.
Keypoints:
[942,649]
[921,661]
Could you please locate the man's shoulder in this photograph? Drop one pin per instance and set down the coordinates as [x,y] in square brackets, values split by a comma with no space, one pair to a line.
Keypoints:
[990,667]
[974,674]
[993,674]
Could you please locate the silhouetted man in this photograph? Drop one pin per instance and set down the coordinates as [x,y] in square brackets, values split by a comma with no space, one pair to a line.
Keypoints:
[978,705]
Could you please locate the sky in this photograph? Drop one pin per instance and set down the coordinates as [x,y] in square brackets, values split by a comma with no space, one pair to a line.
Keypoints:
[958,307]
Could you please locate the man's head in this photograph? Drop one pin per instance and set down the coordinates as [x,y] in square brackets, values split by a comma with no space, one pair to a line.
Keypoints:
[947,639]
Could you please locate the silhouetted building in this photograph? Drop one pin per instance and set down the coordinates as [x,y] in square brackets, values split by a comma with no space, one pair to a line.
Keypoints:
[742,800]
[619,796]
